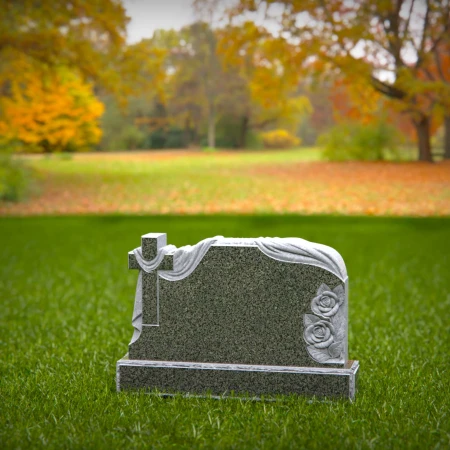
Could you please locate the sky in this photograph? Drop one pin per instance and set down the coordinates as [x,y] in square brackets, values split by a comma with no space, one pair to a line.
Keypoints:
[149,15]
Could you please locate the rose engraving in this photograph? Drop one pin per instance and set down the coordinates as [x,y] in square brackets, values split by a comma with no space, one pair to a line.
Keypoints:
[327,303]
[325,329]
[320,334]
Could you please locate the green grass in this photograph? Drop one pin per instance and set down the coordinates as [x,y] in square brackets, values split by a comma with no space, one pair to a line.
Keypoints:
[175,160]
[145,181]
[65,320]
[236,182]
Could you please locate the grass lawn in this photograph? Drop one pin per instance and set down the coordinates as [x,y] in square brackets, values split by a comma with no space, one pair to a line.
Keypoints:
[280,181]
[65,320]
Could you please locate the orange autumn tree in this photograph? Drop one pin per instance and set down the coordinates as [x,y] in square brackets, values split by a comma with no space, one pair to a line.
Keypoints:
[366,39]
[49,111]
[352,102]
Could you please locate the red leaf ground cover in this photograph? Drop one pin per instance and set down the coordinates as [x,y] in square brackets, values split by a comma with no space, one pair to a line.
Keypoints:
[191,183]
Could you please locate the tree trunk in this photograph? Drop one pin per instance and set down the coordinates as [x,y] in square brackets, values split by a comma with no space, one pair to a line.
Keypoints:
[244,131]
[447,137]
[212,125]
[423,138]
[45,145]
[195,136]
[187,133]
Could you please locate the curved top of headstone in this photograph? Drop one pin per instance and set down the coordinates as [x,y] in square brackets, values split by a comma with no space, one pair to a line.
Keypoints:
[290,250]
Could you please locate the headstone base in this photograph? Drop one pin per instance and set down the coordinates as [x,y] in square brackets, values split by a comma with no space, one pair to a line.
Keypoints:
[228,380]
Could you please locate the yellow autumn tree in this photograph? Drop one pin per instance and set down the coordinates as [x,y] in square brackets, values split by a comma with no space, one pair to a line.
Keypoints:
[49,110]
[85,35]
[267,96]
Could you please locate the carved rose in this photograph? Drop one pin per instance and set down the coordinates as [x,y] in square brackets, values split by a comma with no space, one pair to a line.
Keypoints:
[320,334]
[324,330]
[328,301]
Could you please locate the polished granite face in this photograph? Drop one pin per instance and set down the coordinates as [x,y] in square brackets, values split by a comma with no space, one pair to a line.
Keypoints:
[257,317]
[238,306]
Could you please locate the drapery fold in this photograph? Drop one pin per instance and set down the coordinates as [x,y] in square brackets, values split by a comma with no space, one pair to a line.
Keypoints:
[300,251]
[185,259]
[291,250]
[137,311]
[150,266]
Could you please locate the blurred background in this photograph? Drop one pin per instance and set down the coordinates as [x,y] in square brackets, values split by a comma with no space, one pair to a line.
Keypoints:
[243,118]
[146,106]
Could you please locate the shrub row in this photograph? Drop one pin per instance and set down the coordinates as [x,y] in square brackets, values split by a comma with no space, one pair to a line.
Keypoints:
[16,178]
[363,142]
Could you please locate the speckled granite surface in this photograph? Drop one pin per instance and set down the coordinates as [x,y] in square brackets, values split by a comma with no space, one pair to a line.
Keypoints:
[226,380]
[240,306]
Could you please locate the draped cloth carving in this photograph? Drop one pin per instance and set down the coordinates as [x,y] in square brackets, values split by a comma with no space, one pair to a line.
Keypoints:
[300,251]
[187,258]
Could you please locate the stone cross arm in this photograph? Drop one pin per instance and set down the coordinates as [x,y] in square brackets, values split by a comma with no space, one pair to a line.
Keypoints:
[151,244]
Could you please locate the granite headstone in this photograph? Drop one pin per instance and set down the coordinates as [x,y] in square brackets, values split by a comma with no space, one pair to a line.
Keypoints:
[253,317]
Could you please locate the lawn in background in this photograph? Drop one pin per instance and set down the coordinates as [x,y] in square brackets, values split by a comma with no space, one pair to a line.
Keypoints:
[67,301]
[281,181]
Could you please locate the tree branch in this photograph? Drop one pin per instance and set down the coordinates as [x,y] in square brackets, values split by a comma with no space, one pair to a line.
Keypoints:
[424,33]
[264,123]
[408,20]
[387,89]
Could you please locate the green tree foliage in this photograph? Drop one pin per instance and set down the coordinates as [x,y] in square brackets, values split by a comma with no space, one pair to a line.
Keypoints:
[16,178]
[193,84]
[196,94]
[356,141]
